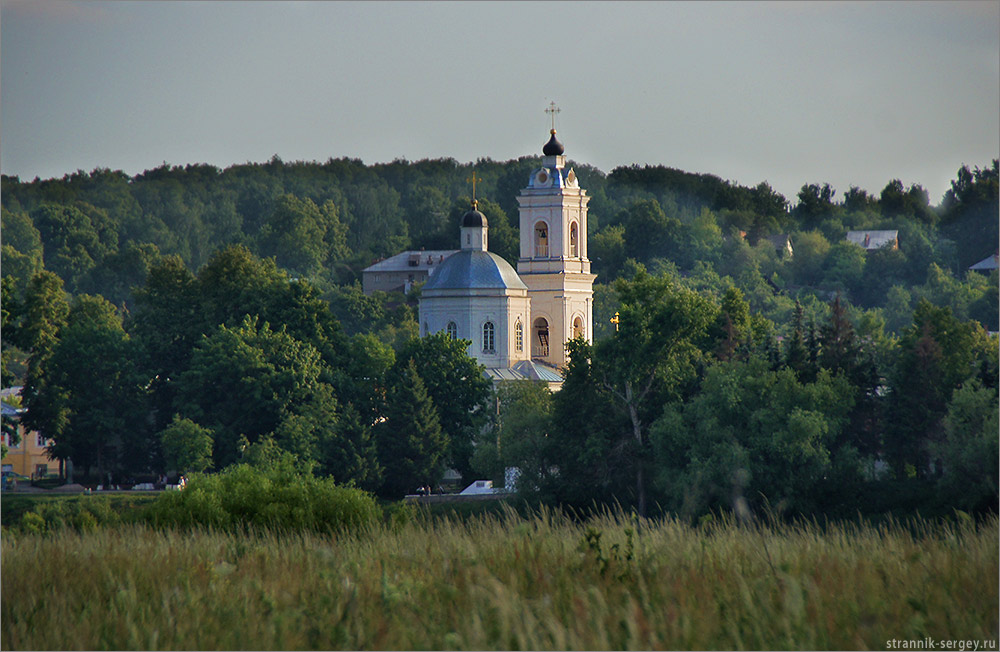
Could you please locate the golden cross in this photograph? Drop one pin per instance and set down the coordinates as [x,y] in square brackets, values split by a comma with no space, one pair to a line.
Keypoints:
[473,179]
[614,320]
[553,110]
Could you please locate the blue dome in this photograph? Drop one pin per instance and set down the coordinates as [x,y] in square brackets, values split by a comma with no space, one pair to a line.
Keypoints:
[474,269]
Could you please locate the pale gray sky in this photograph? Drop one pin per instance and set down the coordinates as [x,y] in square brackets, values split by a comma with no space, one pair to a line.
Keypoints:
[785,92]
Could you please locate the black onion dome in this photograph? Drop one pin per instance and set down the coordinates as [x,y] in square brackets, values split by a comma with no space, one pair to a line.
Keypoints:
[553,147]
[474,218]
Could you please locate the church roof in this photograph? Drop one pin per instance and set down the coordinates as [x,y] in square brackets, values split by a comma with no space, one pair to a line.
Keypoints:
[474,269]
[553,147]
[474,218]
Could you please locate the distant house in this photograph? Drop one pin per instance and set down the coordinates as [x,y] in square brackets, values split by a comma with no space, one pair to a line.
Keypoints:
[987,264]
[873,240]
[400,272]
[29,456]
[782,244]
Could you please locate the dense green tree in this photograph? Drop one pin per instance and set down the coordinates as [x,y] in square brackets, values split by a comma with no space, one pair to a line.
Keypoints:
[122,272]
[411,444]
[811,251]
[350,455]
[187,447]
[649,231]
[37,328]
[748,435]
[968,452]
[244,380]
[937,354]
[302,236]
[606,250]
[646,363]
[166,322]
[519,438]
[457,386]
[76,238]
[91,402]
[841,353]
[912,202]
[969,211]
[815,204]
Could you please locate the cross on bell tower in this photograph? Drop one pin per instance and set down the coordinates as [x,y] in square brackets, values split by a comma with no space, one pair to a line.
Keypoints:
[553,110]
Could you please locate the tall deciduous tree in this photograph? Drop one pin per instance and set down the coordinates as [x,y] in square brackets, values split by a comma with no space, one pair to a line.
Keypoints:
[93,399]
[244,381]
[650,358]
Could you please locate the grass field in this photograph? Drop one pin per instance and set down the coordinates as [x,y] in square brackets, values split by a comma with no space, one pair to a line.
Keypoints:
[503,582]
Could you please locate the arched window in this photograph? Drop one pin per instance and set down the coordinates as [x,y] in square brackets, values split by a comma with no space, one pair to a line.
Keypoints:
[540,341]
[452,330]
[518,336]
[541,240]
[426,330]
[578,328]
[488,345]
[574,248]
[488,338]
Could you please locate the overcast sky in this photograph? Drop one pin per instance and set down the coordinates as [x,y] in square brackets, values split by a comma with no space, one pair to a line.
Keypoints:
[848,93]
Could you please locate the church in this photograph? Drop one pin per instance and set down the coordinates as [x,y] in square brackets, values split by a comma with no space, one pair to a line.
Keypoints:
[518,322]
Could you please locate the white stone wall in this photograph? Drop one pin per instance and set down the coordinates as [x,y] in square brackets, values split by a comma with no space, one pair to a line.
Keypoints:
[470,311]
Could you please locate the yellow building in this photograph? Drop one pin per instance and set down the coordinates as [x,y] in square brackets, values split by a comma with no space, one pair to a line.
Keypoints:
[29,456]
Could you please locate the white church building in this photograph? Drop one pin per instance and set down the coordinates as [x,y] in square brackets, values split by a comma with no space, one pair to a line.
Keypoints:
[518,322]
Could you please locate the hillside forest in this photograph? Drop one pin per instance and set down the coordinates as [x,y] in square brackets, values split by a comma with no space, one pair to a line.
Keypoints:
[191,318]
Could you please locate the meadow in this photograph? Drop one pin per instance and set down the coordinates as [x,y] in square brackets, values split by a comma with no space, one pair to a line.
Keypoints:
[503,581]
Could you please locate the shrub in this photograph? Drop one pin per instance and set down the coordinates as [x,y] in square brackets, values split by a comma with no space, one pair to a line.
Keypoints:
[85,514]
[272,498]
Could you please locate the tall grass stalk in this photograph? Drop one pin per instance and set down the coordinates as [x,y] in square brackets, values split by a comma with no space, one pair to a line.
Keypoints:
[503,582]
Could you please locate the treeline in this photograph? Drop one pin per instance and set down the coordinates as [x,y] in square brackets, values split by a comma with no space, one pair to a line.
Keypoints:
[239,363]
[693,406]
[101,231]
[192,317]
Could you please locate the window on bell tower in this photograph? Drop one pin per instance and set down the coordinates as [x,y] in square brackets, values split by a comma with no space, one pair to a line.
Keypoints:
[518,336]
[541,240]
[574,248]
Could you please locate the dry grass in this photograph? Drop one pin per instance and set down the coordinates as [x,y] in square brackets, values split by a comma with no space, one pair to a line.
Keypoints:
[502,583]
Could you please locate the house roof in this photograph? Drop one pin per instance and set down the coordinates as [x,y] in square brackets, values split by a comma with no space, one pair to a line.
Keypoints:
[10,411]
[873,239]
[986,264]
[411,260]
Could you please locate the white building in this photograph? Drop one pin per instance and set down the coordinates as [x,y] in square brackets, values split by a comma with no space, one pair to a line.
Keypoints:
[518,322]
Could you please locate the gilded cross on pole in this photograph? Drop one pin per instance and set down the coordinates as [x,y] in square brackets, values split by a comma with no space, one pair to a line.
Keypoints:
[552,111]
[614,320]
[474,179]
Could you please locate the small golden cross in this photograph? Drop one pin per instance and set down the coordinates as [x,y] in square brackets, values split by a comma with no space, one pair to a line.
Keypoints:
[473,179]
[553,110]
[614,320]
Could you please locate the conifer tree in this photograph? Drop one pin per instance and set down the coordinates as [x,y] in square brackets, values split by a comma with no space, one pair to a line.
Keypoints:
[411,444]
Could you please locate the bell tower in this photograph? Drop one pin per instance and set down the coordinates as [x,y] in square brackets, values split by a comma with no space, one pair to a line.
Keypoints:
[553,262]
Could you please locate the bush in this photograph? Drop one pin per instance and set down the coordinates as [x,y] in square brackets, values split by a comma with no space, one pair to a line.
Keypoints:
[85,514]
[273,498]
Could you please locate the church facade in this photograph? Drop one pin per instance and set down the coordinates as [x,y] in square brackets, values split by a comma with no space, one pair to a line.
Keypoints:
[518,322]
